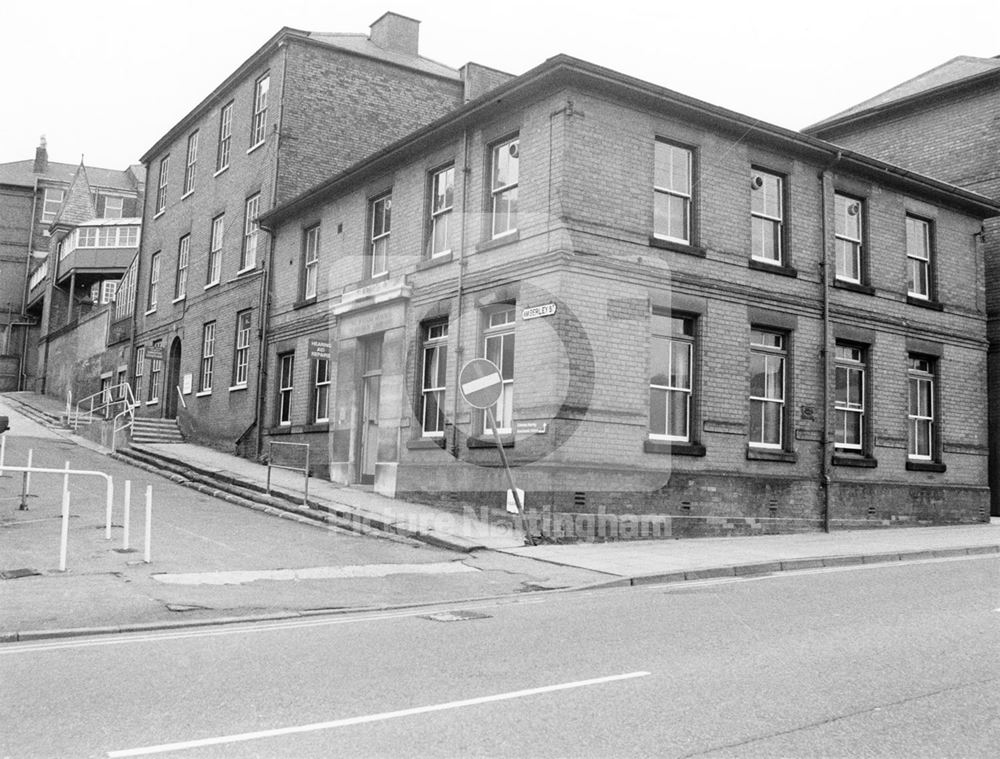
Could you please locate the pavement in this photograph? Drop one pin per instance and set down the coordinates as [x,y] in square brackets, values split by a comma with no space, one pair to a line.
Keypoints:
[222,558]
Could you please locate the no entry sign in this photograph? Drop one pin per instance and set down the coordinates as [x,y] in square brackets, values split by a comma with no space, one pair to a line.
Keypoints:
[480,383]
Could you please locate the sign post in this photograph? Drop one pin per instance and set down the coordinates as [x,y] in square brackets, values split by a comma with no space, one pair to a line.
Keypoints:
[481,384]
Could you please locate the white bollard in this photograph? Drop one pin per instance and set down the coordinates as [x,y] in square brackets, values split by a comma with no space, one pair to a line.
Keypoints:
[3,452]
[149,521]
[125,515]
[64,537]
[27,475]
[107,514]
[66,480]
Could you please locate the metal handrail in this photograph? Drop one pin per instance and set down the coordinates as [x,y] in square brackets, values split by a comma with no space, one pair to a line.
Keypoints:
[122,420]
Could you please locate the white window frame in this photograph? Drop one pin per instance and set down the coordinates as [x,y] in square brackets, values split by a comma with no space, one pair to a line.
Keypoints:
[504,155]
[206,375]
[442,205]
[225,138]
[772,397]
[849,255]
[678,336]
[921,374]
[118,209]
[241,356]
[161,185]
[850,363]
[770,221]
[48,215]
[140,369]
[379,231]
[918,257]
[310,261]
[214,272]
[258,125]
[671,191]
[499,327]
[433,378]
[248,251]
[155,368]
[183,260]
[190,164]
[154,280]
[321,391]
[109,288]
[286,386]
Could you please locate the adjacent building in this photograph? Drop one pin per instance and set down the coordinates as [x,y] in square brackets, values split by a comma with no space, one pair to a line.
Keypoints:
[703,324]
[304,106]
[943,122]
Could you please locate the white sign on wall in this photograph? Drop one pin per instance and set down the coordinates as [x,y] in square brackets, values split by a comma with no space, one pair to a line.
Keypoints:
[186,384]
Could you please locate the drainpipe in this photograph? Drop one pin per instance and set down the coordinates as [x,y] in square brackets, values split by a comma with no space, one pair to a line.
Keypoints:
[459,351]
[22,374]
[825,268]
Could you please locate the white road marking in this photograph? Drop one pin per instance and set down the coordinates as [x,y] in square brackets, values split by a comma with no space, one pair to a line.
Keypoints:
[180,746]
[241,577]
[481,383]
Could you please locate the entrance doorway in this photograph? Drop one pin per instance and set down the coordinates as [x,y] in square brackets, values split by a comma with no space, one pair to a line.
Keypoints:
[173,380]
[368,409]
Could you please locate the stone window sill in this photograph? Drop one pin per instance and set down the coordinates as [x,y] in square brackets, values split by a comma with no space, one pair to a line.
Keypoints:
[865,462]
[673,447]
[488,441]
[856,287]
[677,247]
[425,443]
[764,454]
[498,242]
[429,263]
[926,466]
[933,305]
[780,269]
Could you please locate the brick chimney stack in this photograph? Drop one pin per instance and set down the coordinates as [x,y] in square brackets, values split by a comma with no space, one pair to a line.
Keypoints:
[394,32]
[41,157]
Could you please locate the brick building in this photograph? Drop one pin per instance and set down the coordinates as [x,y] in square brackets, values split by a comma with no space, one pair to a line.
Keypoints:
[696,316]
[303,106]
[33,195]
[943,122]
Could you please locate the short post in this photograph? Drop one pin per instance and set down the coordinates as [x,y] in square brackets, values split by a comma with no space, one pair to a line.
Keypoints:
[125,514]
[305,498]
[3,452]
[64,536]
[66,480]
[149,521]
[27,483]
[107,510]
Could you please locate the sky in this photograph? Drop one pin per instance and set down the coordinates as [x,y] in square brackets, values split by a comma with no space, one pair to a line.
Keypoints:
[105,80]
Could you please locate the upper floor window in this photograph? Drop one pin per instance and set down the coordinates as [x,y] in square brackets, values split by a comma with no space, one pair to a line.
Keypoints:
[767,388]
[432,390]
[767,216]
[51,204]
[849,431]
[918,258]
[183,257]
[241,358]
[161,186]
[498,347]
[310,262]
[672,192]
[114,205]
[225,137]
[215,251]
[442,201]
[207,358]
[154,279]
[380,212]
[504,173]
[259,125]
[192,159]
[921,408]
[671,375]
[849,232]
[248,253]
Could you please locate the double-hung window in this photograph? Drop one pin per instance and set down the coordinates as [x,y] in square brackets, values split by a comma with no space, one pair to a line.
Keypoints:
[140,369]
[671,375]
[225,137]
[435,360]
[380,210]
[51,204]
[155,368]
[498,347]
[848,232]
[214,272]
[161,185]
[672,192]
[504,177]
[768,352]
[259,123]
[207,357]
[849,430]
[286,377]
[114,205]
[248,253]
[442,202]
[766,216]
[310,262]
[183,258]
[921,408]
[241,357]
[321,390]
[918,258]
[154,280]
[192,160]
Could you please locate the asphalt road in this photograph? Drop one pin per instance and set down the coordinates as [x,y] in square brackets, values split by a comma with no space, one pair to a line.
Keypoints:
[881,661]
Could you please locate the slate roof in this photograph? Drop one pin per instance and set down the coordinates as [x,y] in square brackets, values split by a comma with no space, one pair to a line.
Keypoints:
[22,174]
[959,69]
[78,206]
[360,44]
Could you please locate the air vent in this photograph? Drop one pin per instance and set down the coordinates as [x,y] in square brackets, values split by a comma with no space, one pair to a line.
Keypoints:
[580,500]
[756,181]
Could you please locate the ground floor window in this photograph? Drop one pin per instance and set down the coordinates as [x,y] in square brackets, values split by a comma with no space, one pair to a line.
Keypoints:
[498,347]
[321,390]
[286,369]
[435,360]
[768,352]
[670,382]
[921,408]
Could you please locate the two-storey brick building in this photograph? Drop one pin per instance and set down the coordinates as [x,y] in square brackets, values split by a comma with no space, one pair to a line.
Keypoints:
[943,122]
[727,325]
[303,106]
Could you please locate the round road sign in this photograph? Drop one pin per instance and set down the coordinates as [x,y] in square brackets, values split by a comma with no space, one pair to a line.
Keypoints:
[480,382]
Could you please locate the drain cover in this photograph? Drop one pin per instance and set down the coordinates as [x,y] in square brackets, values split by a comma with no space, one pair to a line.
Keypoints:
[13,574]
[456,616]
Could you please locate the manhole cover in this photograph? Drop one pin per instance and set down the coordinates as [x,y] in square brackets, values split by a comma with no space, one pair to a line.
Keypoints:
[185,607]
[13,574]
[456,616]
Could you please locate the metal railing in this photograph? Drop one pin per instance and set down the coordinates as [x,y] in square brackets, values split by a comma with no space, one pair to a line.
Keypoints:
[116,403]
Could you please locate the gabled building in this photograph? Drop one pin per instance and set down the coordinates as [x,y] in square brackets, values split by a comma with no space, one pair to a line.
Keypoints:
[702,322]
[943,122]
[305,105]
[32,195]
